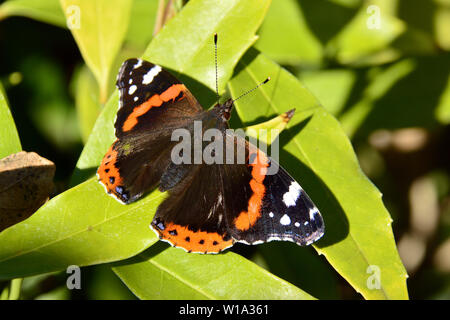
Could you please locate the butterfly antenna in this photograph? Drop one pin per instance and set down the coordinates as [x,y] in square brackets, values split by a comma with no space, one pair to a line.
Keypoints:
[215,61]
[247,92]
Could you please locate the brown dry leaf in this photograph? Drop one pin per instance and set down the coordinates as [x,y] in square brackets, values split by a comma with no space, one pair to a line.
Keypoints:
[26,180]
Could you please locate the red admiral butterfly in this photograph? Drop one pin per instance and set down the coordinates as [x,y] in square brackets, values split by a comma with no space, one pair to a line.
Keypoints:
[210,206]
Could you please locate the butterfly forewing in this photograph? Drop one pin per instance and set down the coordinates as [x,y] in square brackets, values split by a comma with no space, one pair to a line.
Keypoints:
[151,99]
[152,103]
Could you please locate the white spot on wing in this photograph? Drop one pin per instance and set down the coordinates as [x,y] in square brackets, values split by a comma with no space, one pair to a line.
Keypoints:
[290,197]
[153,72]
[285,220]
[132,89]
[138,64]
[271,214]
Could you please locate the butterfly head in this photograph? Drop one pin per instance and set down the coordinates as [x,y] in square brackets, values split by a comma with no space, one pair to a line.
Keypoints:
[224,110]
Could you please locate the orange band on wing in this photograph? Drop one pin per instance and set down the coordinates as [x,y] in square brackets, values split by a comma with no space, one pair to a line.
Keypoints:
[193,241]
[247,219]
[155,101]
[108,174]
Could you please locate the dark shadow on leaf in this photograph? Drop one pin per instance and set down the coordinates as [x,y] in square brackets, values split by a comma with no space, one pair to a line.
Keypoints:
[294,130]
[356,93]
[247,60]
[325,18]
[292,262]
[81,175]
[250,55]
[418,14]
[145,255]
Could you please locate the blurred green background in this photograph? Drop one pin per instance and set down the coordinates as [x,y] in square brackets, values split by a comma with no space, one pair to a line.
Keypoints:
[390,90]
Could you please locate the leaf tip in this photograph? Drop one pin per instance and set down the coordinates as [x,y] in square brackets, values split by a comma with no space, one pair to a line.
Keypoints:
[288,115]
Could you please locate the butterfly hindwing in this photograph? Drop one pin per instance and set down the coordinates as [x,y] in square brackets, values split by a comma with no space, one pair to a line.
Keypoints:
[134,164]
[193,215]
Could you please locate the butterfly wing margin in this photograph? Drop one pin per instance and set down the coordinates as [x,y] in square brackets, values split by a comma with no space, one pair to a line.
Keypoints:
[192,217]
[277,207]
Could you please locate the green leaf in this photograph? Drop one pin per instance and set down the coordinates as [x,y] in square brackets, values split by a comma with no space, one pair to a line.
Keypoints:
[369,32]
[48,11]
[382,103]
[82,226]
[331,87]
[9,138]
[140,30]
[99,140]
[170,273]
[12,290]
[353,118]
[99,28]
[4,295]
[443,108]
[15,289]
[285,36]
[442,25]
[87,100]
[318,154]
[229,19]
